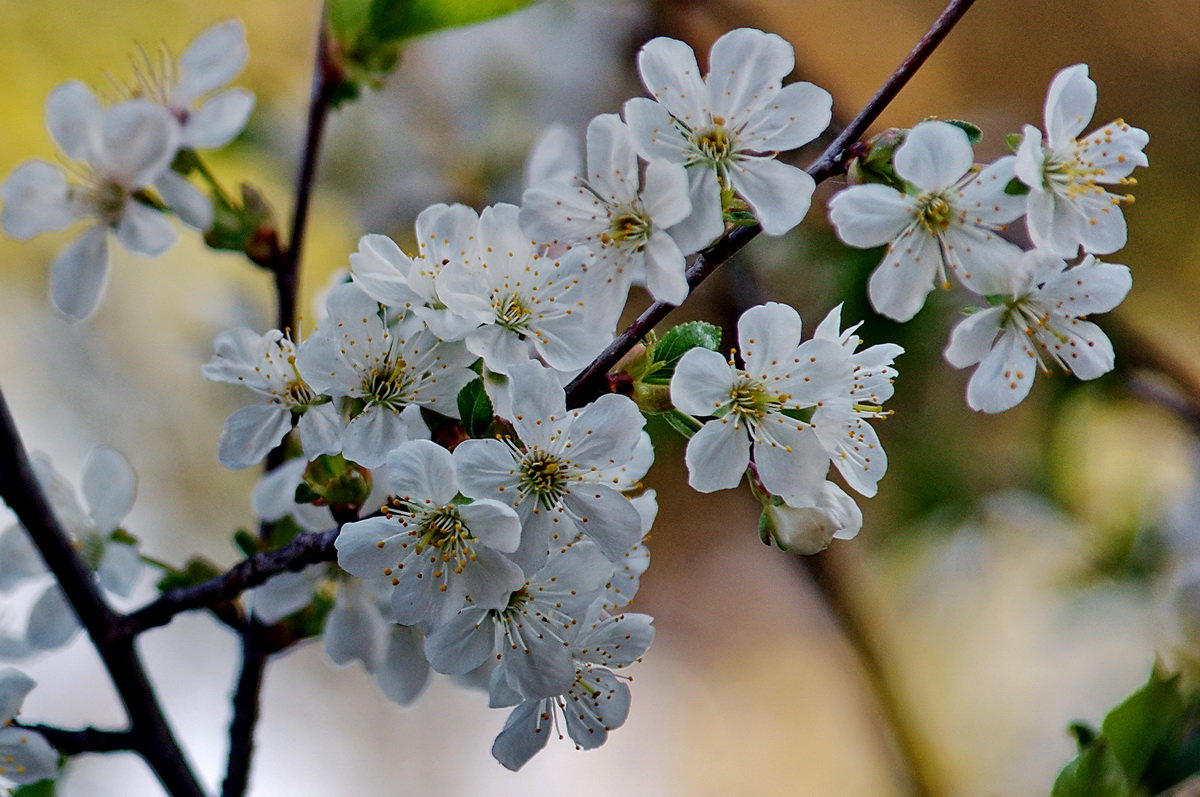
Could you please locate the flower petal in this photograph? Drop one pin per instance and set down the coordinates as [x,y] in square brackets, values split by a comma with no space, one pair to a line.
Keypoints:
[1004,376]
[778,194]
[78,273]
[717,456]
[251,433]
[669,72]
[702,382]
[109,486]
[52,621]
[138,139]
[870,215]
[934,155]
[746,67]
[36,200]
[403,673]
[214,58]
[74,116]
[798,114]
[1070,103]
[768,334]
[219,120]
[898,287]
[422,472]
[972,338]
[189,203]
[706,223]
[145,230]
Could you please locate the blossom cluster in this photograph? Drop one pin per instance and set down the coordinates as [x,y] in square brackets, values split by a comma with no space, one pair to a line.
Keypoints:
[941,215]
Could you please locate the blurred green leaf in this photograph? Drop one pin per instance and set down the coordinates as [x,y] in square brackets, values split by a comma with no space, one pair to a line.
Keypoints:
[1148,722]
[475,408]
[974,134]
[677,342]
[1015,187]
[43,788]
[393,20]
[197,570]
[1094,773]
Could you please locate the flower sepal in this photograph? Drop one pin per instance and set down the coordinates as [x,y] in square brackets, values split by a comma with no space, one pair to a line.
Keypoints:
[330,480]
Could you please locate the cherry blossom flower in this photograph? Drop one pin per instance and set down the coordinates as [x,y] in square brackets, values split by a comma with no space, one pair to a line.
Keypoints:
[596,702]
[617,214]
[810,529]
[525,304]
[565,472]
[1037,320]
[947,221]
[438,553]
[117,152]
[266,364]
[727,127]
[391,368]
[1069,206]
[25,756]
[761,405]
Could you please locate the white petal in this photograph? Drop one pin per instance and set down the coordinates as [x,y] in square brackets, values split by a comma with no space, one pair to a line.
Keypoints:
[354,630]
[745,70]
[984,198]
[798,114]
[591,713]
[145,230]
[19,559]
[189,203]
[321,430]
[74,115]
[654,133]
[284,594]
[717,456]
[27,756]
[707,221]
[484,467]
[14,686]
[934,155]
[420,470]
[702,382]
[553,157]
[870,215]
[778,194]
[898,287]
[214,58]
[109,486]
[791,461]
[665,193]
[461,644]
[980,258]
[78,273]
[538,399]
[1070,103]
[403,673]
[1004,376]
[138,140]
[1030,163]
[1091,287]
[1102,224]
[370,437]
[381,269]
[606,517]
[605,431]
[665,269]
[972,338]
[36,200]
[1088,351]
[251,433]
[120,568]
[1053,223]
[767,335]
[525,733]
[612,167]
[52,621]
[669,72]
[219,120]
[494,524]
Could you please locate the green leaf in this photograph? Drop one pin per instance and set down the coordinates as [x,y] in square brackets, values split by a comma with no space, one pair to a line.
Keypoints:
[196,571]
[348,18]
[1094,773]
[1015,187]
[1013,141]
[1148,723]
[394,20]
[676,343]
[245,542]
[43,788]
[974,134]
[683,423]
[475,408]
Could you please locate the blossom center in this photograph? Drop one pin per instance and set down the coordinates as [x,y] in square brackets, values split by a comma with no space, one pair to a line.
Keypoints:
[544,476]
[749,400]
[511,313]
[714,144]
[388,384]
[628,227]
[444,530]
[935,214]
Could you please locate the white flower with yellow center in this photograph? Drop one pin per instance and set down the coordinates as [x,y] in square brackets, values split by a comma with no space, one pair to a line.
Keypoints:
[620,216]
[765,405]
[1036,319]
[388,368]
[439,553]
[949,219]
[267,365]
[1069,206]
[727,127]
[525,303]
[116,153]
[25,756]
[565,473]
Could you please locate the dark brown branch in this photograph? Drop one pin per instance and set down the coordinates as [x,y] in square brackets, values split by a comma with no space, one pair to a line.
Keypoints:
[84,740]
[246,707]
[590,382]
[305,550]
[149,733]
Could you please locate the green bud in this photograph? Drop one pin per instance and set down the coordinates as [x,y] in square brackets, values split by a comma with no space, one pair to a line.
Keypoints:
[872,161]
[336,483]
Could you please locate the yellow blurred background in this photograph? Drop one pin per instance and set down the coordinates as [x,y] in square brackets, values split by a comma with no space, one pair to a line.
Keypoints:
[1014,574]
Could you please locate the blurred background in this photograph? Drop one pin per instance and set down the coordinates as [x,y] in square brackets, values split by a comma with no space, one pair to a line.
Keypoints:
[1015,573]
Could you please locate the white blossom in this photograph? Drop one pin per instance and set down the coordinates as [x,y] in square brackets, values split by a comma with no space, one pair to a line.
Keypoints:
[727,127]
[565,472]
[1036,319]
[810,529]
[25,755]
[439,554]
[266,364]
[117,153]
[761,405]
[1069,206]
[947,221]
[617,214]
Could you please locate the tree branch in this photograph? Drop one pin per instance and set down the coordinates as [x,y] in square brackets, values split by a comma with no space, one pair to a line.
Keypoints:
[149,733]
[246,706]
[84,740]
[590,382]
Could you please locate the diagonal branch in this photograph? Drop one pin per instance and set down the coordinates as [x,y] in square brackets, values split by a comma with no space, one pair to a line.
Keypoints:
[149,733]
[833,161]
[83,740]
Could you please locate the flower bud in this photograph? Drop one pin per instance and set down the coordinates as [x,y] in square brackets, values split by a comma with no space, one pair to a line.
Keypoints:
[810,529]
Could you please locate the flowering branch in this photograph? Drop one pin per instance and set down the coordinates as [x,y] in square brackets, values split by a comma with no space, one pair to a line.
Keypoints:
[83,740]
[149,734]
[589,383]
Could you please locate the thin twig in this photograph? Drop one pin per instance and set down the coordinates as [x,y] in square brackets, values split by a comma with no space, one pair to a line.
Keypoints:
[151,736]
[70,741]
[305,550]
[246,706]
[590,381]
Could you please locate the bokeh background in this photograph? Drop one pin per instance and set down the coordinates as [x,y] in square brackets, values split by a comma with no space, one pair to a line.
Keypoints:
[1015,573]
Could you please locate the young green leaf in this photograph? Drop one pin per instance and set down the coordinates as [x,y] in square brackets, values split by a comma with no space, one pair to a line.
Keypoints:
[475,408]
